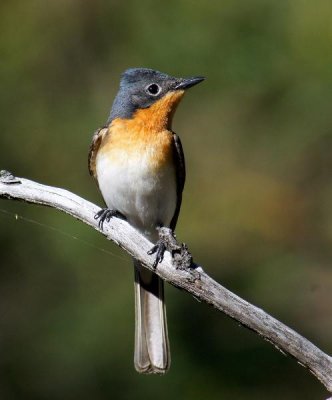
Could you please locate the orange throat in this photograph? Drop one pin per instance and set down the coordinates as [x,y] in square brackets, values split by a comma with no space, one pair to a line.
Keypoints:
[159,116]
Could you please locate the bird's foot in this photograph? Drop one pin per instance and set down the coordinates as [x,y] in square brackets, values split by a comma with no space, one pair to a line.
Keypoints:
[105,214]
[159,248]
[182,259]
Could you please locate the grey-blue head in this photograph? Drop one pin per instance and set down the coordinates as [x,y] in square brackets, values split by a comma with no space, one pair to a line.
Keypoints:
[142,87]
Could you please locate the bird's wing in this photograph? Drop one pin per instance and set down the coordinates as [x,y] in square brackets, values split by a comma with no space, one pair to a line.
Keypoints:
[97,138]
[180,168]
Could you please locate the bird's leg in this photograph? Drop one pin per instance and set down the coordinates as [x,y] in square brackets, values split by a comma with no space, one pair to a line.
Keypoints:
[166,235]
[159,248]
[105,214]
[167,241]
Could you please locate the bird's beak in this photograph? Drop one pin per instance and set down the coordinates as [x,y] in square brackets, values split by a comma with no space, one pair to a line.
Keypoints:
[186,83]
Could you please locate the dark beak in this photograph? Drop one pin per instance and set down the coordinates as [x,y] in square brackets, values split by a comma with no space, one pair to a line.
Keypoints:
[186,83]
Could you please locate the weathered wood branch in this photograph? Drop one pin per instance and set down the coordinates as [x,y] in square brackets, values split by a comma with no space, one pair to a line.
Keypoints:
[193,280]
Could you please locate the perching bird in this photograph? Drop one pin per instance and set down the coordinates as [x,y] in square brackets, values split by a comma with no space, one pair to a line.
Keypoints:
[139,165]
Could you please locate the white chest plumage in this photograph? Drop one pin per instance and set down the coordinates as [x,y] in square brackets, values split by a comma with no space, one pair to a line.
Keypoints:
[146,196]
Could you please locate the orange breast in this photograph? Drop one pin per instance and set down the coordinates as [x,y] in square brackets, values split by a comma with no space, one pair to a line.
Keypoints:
[126,141]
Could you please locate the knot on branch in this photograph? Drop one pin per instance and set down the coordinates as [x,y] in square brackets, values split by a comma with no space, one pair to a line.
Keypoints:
[8,178]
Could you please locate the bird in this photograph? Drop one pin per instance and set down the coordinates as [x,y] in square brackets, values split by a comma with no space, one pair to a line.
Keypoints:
[138,163]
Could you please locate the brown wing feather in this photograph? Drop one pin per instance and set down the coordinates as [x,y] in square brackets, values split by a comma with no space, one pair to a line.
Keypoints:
[97,138]
[180,168]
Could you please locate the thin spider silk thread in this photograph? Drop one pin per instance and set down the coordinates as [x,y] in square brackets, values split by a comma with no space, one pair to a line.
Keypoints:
[61,232]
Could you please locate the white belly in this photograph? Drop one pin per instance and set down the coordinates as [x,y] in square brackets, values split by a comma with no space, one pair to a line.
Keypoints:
[145,197]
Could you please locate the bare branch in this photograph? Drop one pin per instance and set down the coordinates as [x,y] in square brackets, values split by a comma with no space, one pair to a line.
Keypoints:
[192,280]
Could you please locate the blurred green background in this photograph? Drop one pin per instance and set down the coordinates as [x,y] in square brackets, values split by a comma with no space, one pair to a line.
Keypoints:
[257,209]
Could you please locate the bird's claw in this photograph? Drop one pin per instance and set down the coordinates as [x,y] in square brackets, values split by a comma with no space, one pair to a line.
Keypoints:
[159,248]
[105,214]
[181,257]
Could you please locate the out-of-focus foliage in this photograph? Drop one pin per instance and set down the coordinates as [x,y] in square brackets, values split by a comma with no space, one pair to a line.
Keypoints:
[257,209]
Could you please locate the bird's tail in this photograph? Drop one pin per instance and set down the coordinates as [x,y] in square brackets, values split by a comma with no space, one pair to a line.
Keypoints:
[152,355]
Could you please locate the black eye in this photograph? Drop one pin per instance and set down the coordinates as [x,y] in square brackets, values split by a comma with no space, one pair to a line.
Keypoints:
[153,89]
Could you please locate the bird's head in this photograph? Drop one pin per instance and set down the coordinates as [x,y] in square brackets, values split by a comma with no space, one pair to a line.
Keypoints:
[145,92]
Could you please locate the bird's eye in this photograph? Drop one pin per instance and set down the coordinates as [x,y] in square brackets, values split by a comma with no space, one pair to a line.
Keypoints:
[153,89]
